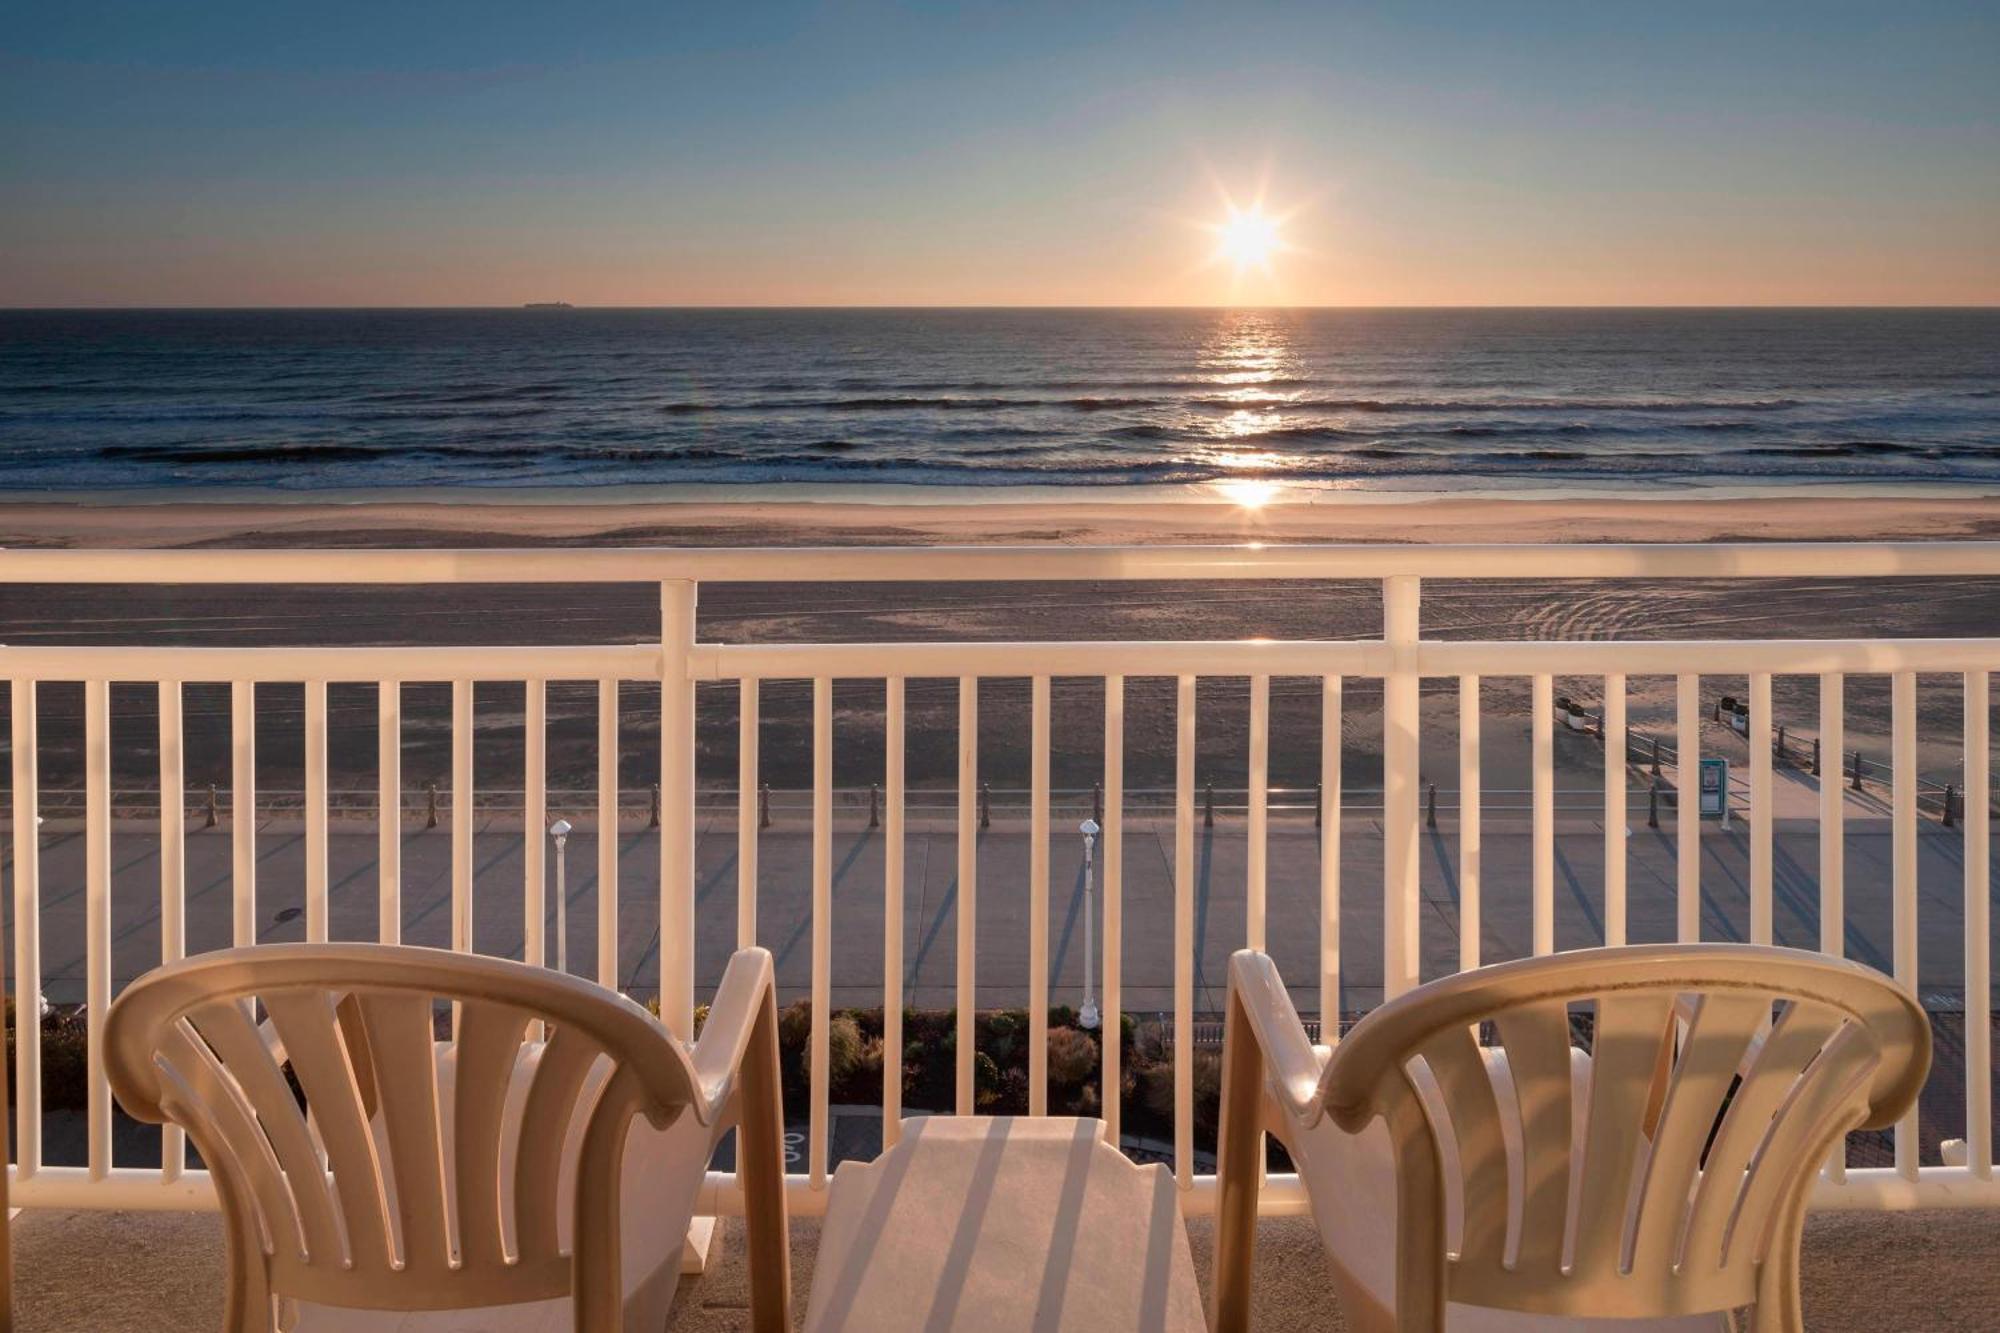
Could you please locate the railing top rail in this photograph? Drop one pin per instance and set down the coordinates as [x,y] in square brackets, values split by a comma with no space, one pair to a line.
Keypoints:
[935,564]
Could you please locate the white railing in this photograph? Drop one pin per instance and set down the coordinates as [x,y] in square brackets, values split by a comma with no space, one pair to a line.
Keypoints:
[1401,659]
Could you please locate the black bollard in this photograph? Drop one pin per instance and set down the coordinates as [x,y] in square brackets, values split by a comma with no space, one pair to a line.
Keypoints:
[1097,801]
[653,815]
[1815,756]
[431,812]
[874,806]
[1319,804]
[1656,756]
[985,806]
[209,822]
[764,806]
[1653,805]
[1208,807]
[1949,792]
[1778,744]
[1857,770]
[1431,807]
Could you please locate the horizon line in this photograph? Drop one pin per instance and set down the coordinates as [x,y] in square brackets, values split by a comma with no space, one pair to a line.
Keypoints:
[553,307]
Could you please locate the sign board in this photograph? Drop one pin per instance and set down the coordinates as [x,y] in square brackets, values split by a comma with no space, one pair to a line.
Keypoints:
[1715,788]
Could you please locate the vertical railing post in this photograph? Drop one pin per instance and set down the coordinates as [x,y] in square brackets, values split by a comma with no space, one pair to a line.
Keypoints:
[1038,898]
[462,722]
[534,818]
[971,811]
[1110,1080]
[317,877]
[1978,885]
[389,813]
[173,883]
[1401,603]
[1687,809]
[892,914]
[243,812]
[753,811]
[1615,813]
[1468,824]
[97,920]
[1762,841]
[1903,872]
[677,639]
[27,934]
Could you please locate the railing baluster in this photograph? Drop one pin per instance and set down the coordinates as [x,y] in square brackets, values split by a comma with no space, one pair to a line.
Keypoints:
[1544,875]
[1113,848]
[1329,859]
[1832,817]
[822,922]
[746,812]
[677,836]
[1257,832]
[1184,933]
[1687,808]
[315,798]
[1978,943]
[968,873]
[892,911]
[1401,903]
[534,824]
[607,834]
[173,882]
[27,935]
[1761,812]
[1832,849]
[243,811]
[1903,882]
[1614,810]
[389,810]
[97,915]
[1038,900]
[461,815]
[1468,823]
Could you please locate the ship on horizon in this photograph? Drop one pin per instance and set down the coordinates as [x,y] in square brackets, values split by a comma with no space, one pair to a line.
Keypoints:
[547,305]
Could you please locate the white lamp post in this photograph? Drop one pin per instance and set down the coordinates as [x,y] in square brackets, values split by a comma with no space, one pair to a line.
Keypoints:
[1089,1018]
[560,832]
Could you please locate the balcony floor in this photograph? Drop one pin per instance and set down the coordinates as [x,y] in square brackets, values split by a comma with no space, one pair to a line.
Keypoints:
[134,1272]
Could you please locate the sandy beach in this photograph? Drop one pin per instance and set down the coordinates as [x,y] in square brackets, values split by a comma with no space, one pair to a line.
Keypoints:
[900,612]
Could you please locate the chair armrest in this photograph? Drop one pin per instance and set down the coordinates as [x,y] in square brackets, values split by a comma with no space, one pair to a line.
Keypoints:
[732,1018]
[1258,993]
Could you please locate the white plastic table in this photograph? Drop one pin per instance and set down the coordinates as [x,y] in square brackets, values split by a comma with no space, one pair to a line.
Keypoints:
[1001,1223]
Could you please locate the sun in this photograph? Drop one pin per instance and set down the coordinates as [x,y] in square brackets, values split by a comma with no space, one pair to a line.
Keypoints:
[1248,239]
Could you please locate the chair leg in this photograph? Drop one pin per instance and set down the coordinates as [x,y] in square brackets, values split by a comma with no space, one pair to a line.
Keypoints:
[760,1137]
[597,1270]
[1237,1170]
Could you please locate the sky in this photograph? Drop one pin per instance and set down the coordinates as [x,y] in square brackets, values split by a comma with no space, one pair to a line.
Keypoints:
[1481,153]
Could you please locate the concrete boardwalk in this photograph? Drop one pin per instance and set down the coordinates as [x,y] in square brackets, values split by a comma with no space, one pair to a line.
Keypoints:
[932,898]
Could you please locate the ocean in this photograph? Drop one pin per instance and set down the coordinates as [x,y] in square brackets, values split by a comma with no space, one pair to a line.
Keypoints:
[1431,400]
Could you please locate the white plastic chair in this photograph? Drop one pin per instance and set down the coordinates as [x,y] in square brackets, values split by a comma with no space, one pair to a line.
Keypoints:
[536,1173]
[1526,1186]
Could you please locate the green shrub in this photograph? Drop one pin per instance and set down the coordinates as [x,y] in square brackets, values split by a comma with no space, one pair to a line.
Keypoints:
[1072,1057]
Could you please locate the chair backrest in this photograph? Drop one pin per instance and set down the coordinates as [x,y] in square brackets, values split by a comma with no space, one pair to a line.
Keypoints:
[339,1163]
[1719,1078]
